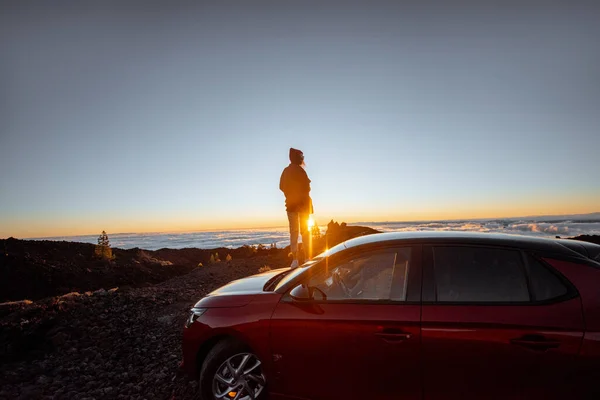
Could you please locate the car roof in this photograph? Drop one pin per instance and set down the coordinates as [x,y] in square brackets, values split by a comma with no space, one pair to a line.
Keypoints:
[587,249]
[485,238]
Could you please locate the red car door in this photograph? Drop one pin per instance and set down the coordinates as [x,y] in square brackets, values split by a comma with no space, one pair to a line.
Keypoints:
[497,323]
[361,341]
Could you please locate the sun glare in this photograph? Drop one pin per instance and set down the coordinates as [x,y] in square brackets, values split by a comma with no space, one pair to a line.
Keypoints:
[311,222]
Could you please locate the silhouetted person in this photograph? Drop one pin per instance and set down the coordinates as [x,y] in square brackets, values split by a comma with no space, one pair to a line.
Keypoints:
[294,183]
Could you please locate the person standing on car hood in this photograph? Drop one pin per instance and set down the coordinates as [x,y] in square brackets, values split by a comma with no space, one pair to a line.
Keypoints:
[294,183]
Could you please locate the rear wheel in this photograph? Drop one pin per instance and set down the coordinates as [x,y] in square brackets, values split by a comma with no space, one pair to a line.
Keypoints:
[231,372]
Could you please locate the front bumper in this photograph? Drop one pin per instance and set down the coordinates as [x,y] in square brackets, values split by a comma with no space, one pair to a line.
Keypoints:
[194,337]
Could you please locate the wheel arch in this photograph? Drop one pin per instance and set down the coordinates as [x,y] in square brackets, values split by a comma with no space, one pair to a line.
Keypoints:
[210,343]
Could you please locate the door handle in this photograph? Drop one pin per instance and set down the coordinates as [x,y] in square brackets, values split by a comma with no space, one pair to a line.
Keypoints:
[535,342]
[393,335]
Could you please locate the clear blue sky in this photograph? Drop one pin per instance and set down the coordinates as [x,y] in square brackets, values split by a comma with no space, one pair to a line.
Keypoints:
[139,117]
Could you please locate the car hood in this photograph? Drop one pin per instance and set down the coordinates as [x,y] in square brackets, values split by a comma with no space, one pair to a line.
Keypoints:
[239,292]
[250,285]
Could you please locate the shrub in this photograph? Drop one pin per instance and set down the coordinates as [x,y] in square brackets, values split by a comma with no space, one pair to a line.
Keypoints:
[212,259]
[264,269]
[228,258]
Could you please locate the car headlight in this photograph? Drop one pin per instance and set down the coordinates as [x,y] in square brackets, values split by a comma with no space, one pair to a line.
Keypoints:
[195,313]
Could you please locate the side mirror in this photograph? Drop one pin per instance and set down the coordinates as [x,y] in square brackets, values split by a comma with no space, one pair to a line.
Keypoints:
[301,293]
[304,292]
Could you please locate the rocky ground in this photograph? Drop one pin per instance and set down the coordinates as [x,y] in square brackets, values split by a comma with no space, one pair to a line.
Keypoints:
[117,344]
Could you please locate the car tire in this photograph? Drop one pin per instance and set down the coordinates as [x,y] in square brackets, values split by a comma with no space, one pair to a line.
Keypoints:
[228,349]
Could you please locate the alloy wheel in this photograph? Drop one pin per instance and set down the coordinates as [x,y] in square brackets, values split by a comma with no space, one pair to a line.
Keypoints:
[240,377]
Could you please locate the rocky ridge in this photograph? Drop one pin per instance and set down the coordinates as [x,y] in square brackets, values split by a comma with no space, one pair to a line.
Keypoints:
[36,269]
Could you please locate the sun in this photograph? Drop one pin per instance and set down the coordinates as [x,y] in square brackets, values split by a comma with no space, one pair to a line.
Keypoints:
[311,222]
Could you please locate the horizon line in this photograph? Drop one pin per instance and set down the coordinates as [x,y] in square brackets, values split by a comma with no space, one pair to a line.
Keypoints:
[285,226]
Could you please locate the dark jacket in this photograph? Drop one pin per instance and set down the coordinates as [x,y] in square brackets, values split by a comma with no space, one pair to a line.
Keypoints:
[294,183]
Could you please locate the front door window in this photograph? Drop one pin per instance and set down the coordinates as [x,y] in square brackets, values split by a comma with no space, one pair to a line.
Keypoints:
[376,276]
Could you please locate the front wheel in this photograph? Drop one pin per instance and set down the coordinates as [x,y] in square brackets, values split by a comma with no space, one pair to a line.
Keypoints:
[231,372]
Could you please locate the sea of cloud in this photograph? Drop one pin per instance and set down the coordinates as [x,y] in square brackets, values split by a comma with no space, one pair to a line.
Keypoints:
[565,228]
[280,236]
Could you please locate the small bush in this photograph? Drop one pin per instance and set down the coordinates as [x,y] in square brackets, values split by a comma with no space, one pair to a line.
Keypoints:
[264,269]
[200,265]
[228,258]
[143,256]
[212,259]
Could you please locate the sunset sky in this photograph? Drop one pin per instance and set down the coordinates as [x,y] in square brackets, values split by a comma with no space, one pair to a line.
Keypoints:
[128,117]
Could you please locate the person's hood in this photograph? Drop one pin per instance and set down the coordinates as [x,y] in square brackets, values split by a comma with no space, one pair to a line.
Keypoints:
[296,156]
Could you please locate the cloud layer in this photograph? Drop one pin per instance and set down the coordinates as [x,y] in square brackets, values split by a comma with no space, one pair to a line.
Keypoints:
[565,228]
[280,236]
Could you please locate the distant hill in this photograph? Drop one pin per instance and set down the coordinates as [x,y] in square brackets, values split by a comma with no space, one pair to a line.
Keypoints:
[337,233]
[576,217]
[588,238]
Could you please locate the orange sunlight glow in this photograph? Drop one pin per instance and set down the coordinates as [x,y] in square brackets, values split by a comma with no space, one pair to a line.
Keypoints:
[311,222]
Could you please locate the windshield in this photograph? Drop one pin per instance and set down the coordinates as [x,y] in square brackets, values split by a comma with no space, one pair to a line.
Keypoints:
[294,273]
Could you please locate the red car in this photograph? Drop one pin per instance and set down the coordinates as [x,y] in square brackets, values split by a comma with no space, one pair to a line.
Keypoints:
[419,315]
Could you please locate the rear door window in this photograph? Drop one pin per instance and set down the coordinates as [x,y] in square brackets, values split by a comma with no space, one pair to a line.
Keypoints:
[545,285]
[479,275]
